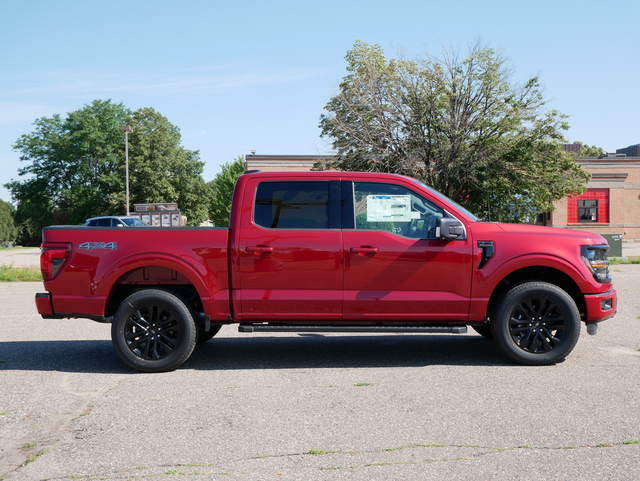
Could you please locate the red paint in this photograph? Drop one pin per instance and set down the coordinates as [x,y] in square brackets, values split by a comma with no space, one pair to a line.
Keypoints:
[312,275]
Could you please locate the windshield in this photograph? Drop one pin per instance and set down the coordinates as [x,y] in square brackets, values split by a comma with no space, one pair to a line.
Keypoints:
[446,199]
[133,222]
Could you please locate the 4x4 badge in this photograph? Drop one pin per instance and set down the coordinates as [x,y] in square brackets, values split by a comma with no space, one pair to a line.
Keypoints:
[98,245]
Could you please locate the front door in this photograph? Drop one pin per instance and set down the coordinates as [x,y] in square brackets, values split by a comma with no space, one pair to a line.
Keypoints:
[395,268]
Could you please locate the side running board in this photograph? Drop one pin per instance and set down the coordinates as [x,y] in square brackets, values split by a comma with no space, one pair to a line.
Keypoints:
[249,328]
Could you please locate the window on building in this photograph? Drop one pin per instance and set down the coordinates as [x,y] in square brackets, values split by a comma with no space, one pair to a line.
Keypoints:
[590,207]
[292,205]
[587,210]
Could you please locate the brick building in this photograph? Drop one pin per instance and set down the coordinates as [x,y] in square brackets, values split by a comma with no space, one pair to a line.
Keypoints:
[611,204]
[287,163]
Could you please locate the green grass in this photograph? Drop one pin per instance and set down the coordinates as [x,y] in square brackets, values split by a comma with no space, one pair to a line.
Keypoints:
[33,457]
[19,274]
[320,452]
[624,260]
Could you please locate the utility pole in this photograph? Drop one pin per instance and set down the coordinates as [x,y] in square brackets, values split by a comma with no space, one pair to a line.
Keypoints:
[126,129]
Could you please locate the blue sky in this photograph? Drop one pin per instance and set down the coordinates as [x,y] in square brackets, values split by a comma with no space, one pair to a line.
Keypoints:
[255,75]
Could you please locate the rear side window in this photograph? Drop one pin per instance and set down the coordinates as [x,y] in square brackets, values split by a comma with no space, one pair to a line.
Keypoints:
[292,205]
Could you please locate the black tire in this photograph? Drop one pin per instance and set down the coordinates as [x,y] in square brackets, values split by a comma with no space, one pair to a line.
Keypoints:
[153,331]
[536,323]
[204,336]
[484,330]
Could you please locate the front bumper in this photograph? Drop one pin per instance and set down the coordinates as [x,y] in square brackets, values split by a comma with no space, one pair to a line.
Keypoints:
[600,306]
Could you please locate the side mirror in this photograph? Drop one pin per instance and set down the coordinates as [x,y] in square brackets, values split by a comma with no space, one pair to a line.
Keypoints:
[448,228]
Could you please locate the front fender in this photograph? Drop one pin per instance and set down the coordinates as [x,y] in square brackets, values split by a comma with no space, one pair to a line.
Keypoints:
[487,279]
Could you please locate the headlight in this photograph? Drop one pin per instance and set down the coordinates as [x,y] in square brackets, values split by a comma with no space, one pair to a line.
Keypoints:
[596,259]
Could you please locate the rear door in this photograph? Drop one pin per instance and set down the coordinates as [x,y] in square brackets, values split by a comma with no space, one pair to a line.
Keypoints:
[289,252]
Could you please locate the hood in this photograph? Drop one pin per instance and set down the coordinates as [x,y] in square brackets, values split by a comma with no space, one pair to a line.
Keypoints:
[541,231]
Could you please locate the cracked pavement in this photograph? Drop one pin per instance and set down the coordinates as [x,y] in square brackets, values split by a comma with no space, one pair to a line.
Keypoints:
[316,407]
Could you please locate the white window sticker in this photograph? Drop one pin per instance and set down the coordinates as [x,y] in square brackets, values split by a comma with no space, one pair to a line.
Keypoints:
[390,208]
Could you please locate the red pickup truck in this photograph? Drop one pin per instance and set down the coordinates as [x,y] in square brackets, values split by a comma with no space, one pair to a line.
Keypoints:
[330,251]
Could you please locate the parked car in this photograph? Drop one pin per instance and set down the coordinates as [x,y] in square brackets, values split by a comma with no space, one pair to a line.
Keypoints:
[114,221]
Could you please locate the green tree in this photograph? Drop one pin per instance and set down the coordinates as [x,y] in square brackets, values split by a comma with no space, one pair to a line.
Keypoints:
[74,168]
[8,231]
[161,169]
[222,191]
[460,125]
[590,150]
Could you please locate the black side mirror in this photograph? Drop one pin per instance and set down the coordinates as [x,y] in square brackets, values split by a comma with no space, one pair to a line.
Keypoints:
[448,228]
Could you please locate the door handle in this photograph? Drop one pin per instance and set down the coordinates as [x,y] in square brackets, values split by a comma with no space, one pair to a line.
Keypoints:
[258,250]
[364,250]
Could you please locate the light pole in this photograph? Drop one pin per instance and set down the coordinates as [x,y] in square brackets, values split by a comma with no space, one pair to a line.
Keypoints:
[126,129]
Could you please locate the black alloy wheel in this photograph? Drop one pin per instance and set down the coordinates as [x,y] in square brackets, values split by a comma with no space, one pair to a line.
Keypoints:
[536,323]
[154,331]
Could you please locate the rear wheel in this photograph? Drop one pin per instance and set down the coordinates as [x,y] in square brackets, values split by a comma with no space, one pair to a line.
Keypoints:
[153,331]
[536,323]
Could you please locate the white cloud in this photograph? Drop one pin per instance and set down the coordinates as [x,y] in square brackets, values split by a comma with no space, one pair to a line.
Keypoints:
[97,83]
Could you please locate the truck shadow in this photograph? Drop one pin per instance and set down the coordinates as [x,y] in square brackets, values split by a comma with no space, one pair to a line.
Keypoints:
[344,351]
[266,352]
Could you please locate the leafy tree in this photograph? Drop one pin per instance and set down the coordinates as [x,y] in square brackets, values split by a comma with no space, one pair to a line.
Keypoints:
[222,191]
[459,125]
[74,168]
[590,150]
[161,169]
[77,168]
[8,231]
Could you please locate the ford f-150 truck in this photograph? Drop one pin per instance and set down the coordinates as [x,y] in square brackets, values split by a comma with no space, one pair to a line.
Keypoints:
[330,251]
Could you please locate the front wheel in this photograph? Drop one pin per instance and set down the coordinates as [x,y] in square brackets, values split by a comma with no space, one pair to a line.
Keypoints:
[536,323]
[153,331]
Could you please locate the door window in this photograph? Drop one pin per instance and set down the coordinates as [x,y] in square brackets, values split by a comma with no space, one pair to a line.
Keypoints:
[395,209]
[292,205]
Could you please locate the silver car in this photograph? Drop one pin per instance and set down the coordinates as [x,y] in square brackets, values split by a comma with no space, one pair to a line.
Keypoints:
[114,221]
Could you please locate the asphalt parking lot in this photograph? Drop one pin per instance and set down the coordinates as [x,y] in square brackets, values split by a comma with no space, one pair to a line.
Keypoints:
[317,407]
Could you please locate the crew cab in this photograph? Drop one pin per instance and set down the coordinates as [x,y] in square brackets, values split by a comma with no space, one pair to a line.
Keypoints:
[330,251]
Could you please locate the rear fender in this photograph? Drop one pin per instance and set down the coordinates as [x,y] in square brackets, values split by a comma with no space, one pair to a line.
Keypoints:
[213,291]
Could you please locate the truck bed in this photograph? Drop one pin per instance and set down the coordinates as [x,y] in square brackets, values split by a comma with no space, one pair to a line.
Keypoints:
[102,259]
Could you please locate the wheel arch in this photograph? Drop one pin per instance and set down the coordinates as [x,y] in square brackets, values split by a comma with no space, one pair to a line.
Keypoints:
[538,273]
[157,272]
